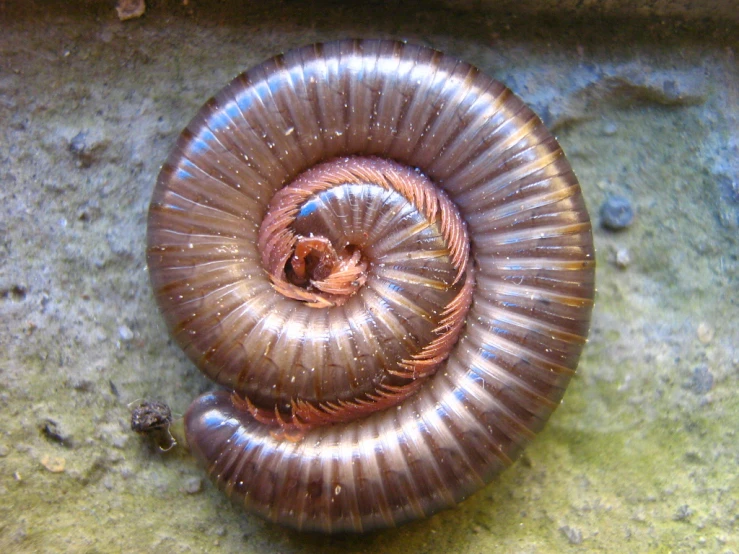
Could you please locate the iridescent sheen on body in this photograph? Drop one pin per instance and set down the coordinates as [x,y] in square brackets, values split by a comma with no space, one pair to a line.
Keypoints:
[523,286]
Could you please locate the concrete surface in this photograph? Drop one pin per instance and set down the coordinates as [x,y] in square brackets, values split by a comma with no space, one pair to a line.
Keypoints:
[641,457]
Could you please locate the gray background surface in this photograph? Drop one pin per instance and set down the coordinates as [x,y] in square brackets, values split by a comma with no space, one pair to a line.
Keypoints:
[641,457]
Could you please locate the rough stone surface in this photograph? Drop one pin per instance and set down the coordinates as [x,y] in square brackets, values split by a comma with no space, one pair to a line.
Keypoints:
[641,456]
[689,9]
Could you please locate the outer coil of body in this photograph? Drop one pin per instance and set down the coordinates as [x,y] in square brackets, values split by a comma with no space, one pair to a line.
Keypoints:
[531,252]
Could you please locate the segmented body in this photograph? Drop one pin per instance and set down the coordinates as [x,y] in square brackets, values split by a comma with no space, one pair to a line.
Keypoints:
[403,373]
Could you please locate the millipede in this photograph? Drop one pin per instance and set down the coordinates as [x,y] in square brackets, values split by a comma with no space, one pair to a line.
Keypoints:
[384,260]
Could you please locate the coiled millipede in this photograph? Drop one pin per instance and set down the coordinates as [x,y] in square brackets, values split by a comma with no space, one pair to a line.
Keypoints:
[385,259]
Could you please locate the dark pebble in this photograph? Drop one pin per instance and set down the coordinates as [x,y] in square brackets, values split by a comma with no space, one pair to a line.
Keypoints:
[53,432]
[77,145]
[616,213]
[16,293]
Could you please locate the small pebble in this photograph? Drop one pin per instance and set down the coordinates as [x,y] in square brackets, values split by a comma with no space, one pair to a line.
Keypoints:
[616,213]
[125,333]
[80,150]
[78,144]
[705,333]
[53,464]
[610,128]
[623,259]
[130,9]
[54,432]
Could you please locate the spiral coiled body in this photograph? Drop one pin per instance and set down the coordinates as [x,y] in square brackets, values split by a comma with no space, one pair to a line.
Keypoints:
[403,373]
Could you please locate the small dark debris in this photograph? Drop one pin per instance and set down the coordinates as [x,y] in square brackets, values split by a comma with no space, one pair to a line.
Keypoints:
[150,416]
[53,432]
[16,293]
[701,381]
[114,389]
[82,385]
[573,535]
[616,213]
[683,513]
[153,419]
